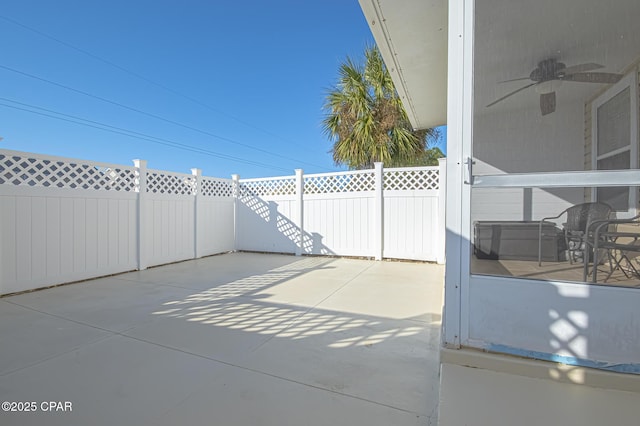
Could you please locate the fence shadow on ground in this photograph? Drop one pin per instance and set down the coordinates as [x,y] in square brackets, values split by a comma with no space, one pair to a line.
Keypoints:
[243,305]
[265,228]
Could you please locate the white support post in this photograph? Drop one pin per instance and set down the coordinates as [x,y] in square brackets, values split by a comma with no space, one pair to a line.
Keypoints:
[197,175]
[141,165]
[459,131]
[236,196]
[379,212]
[442,210]
[300,211]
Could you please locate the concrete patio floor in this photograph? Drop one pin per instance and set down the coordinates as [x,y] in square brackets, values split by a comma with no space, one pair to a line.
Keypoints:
[236,339]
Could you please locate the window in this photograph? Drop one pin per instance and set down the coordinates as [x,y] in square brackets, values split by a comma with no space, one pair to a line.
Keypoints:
[615,141]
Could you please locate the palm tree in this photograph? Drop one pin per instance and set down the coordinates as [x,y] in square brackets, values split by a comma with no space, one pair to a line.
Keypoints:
[366,121]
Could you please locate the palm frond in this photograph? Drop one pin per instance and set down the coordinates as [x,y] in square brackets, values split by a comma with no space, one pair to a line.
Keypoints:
[365,119]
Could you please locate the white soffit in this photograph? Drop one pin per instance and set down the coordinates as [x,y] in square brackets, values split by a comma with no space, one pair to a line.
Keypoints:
[412,37]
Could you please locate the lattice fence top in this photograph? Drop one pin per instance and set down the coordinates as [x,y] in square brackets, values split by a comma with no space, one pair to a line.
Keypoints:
[33,170]
[262,187]
[159,182]
[332,183]
[411,179]
[211,187]
[24,170]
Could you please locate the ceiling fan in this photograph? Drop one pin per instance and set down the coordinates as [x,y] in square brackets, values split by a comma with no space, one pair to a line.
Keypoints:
[550,71]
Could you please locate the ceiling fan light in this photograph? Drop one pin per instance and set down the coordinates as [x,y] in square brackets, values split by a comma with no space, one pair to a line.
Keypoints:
[549,86]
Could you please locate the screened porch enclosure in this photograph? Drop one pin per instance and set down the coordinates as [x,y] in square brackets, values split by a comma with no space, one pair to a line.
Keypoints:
[550,251]
[523,88]
[555,125]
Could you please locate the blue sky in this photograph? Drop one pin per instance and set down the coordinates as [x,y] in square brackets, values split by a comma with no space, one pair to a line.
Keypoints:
[242,80]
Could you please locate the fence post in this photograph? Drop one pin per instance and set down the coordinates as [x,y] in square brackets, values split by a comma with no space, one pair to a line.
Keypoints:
[236,195]
[142,236]
[197,176]
[300,210]
[379,212]
[442,198]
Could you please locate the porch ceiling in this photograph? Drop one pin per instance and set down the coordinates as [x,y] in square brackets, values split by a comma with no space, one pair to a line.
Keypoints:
[512,37]
[412,37]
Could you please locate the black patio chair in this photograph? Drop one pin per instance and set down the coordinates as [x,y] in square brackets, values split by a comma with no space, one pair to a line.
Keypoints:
[607,239]
[579,218]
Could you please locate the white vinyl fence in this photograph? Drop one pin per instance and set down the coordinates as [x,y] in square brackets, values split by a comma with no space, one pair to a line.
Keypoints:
[390,213]
[63,220]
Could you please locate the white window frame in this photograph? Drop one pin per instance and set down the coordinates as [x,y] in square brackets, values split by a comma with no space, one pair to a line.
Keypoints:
[629,81]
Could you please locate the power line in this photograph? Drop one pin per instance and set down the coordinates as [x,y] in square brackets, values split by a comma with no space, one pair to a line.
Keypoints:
[131,133]
[141,77]
[152,139]
[157,117]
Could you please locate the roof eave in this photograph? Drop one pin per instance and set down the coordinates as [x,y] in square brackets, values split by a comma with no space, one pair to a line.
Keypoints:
[412,38]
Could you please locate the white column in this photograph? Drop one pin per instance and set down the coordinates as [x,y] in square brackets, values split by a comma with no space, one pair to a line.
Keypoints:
[197,175]
[442,210]
[459,131]
[236,196]
[378,233]
[142,212]
[300,211]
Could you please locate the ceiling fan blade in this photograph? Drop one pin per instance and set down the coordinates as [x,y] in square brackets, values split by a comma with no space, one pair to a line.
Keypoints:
[581,68]
[593,77]
[547,103]
[511,94]
[515,79]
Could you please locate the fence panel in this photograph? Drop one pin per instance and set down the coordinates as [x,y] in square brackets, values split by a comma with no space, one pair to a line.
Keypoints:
[63,220]
[266,215]
[411,213]
[339,213]
[169,217]
[215,217]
